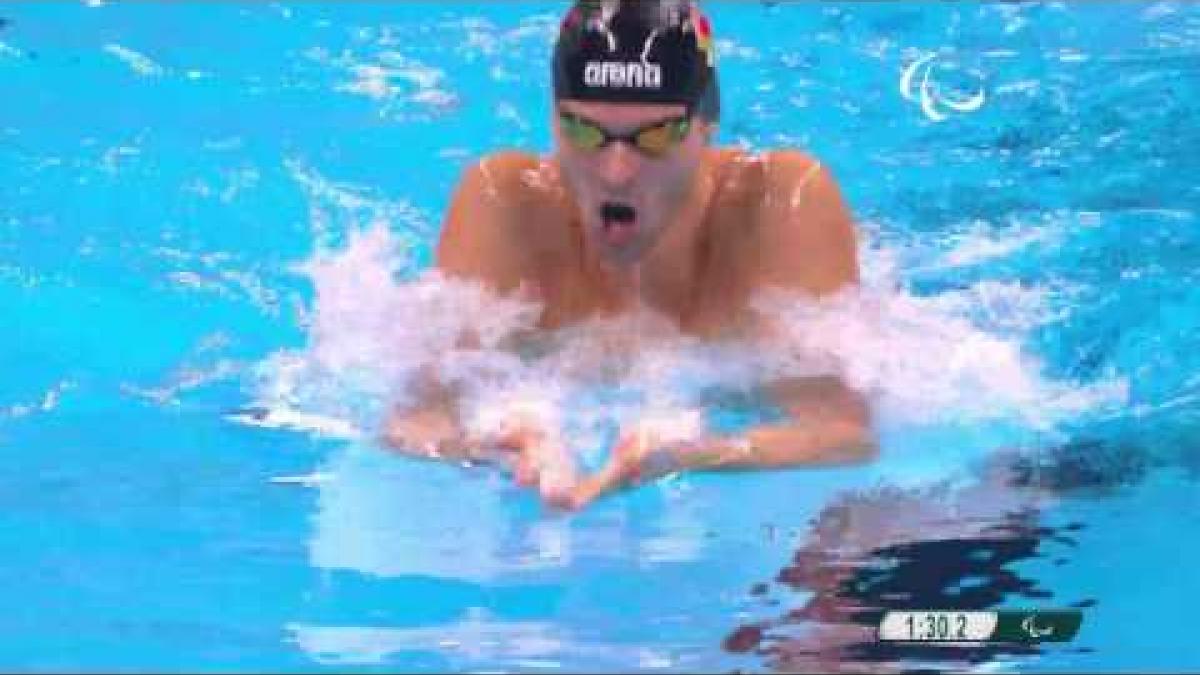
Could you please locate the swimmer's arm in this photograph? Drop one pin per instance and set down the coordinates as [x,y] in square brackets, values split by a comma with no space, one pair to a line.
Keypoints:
[471,246]
[829,425]
[476,243]
[809,245]
[430,428]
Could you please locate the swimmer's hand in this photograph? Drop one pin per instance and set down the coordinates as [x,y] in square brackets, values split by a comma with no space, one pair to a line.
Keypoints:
[639,457]
[636,458]
[431,432]
[535,456]
[542,462]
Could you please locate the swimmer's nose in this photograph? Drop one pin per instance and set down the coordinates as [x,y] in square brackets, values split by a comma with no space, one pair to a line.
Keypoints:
[618,165]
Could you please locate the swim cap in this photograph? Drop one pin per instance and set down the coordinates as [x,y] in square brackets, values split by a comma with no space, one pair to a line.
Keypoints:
[638,51]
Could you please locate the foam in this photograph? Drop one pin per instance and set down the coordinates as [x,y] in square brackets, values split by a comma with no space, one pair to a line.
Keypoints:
[139,63]
[924,362]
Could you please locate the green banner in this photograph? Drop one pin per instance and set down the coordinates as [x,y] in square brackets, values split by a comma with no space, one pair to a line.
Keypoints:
[1037,625]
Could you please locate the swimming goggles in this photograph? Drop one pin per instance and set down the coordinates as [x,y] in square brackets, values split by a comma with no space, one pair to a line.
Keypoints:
[654,140]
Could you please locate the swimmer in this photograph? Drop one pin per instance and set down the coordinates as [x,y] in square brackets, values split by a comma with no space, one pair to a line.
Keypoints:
[636,208]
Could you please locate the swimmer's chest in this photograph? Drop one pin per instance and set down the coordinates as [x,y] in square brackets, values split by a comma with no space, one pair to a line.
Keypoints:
[707,292]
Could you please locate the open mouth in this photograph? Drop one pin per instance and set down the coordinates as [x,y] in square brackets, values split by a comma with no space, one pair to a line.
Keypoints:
[619,223]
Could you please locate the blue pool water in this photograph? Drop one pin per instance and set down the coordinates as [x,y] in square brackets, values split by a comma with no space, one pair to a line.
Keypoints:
[183,185]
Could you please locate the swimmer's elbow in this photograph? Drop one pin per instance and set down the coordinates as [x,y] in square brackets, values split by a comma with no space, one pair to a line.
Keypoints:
[397,434]
[827,443]
[857,443]
[416,431]
[855,427]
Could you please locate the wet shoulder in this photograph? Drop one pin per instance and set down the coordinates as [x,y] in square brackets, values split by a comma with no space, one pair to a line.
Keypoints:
[741,179]
[756,189]
[780,221]
[788,171]
[757,177]
[521,179]
[806,231]
[534,204]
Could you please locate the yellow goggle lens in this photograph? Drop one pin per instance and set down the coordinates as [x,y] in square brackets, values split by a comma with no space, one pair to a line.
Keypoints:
[658,140]
[585,136]
[655,141]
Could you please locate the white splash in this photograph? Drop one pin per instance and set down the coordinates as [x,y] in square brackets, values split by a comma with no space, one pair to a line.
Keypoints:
[980,243]
[925,359]
[277,417]
[369,80]
[921,360]
[393,77]
[141,64]
[311,480]
[48,402]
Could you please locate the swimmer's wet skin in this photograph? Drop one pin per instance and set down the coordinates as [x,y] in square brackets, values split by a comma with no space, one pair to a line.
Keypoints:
[636,210]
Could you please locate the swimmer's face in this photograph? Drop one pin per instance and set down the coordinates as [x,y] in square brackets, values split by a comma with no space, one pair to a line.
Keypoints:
[627,190]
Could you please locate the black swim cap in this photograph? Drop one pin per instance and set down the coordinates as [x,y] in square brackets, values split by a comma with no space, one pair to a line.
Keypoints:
[638,51]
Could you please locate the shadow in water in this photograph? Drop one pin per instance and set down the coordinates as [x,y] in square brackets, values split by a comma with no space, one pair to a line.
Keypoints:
[947,547]
[1085,465]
